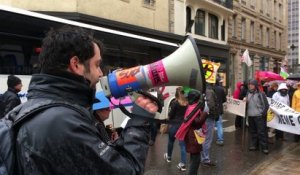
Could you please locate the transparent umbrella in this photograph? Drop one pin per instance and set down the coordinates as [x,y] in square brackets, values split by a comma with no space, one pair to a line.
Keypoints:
[295,76]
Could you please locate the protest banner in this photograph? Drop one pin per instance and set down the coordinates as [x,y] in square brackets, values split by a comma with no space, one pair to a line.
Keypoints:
[282,117]
[235,106]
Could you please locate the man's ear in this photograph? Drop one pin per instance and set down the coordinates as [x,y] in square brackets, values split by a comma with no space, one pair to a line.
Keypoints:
[75,66]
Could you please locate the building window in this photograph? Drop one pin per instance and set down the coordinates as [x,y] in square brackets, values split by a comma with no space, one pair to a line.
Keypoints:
[262,3]
[269,7]
[243,32]
[279,41]
[234,26]
[223,31]
[275,39]
[275,10]
[213,26]
[188,19]
[264,63]
[149,2]
[200,23]
[253,4]
[280,11]
[267,37]
[261,34]
[252,32]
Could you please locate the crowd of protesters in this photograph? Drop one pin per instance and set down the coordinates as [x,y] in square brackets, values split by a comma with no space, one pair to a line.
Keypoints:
[110,152]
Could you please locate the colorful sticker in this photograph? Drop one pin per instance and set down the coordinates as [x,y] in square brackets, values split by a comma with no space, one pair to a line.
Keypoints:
[157,73]
[210,70]
[127,76]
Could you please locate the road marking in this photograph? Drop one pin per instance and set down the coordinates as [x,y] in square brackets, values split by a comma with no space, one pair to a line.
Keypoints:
[229,129]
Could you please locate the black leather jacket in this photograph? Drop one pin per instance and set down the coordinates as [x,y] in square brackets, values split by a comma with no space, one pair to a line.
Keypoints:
[60,140]
[10,100]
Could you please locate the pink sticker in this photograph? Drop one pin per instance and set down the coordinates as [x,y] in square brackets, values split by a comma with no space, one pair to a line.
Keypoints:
[157,73]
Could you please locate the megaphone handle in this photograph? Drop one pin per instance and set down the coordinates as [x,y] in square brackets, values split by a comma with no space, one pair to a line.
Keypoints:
[153,98]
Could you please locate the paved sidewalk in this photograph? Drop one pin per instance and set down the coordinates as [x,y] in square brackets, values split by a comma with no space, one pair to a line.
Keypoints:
[286,162]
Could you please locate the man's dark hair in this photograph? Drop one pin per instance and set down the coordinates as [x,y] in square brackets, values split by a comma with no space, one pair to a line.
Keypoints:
[60,45]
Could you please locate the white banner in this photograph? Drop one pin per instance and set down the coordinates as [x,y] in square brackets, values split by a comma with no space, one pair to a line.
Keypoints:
[282,117]
[235,106]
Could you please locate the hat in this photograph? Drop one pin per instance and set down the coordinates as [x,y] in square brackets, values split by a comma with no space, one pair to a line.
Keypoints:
[282,86]
[253,82]
[100,102]
[13,81]
[193,96]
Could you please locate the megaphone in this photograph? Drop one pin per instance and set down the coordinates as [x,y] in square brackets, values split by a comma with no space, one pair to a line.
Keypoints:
[182,68]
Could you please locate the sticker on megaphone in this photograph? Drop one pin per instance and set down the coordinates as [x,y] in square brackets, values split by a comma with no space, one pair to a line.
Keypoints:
[182,68]
[121,82]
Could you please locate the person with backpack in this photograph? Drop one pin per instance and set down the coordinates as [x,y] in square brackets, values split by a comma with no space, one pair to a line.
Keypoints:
[63,139]
[10,98]
[257,107]
[221,98]
[213,116]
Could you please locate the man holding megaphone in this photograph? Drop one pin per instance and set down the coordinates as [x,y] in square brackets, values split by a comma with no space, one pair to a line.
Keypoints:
[60,136]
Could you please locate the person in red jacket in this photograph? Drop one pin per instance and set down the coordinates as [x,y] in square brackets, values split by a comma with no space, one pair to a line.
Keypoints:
[186,131]
[236,95]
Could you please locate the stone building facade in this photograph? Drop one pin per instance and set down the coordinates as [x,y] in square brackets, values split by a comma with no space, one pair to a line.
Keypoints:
[150,14]
[207,21]
[261,27]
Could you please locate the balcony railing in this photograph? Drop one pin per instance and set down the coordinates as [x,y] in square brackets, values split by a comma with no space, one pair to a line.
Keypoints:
[225,3]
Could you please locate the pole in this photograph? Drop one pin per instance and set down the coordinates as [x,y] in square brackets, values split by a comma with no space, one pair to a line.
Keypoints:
[244,132]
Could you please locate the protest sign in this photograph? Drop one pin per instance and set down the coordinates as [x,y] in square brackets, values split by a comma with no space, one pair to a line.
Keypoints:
[235,106]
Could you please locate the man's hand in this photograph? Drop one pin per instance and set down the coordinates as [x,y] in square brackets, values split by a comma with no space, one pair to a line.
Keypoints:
[146,104]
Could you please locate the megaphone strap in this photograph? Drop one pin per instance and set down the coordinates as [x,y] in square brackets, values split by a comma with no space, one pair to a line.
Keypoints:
[200,105]
[165,121]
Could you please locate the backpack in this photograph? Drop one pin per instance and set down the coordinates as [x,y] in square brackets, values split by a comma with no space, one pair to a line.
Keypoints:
[10,124]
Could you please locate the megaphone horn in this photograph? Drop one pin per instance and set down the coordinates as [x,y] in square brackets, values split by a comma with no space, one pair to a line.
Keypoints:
[182,68]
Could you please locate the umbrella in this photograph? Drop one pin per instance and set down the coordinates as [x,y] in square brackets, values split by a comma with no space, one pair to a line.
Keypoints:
[288,82]
[267,76]
[295,76]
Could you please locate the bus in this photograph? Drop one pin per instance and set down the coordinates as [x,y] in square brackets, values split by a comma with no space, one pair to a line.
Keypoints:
[22,31]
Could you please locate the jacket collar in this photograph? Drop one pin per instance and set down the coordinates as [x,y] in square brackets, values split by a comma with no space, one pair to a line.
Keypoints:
[63,86]
[12,90]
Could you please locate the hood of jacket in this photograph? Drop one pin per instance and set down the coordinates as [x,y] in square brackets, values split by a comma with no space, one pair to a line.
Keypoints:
[239,84]
[63,86]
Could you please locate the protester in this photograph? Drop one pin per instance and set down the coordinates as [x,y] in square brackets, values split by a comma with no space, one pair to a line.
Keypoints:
[62,140]
[281,96]
[221,98]
[10,98]
[186,130]
[101,112]
[213,116]
[176,115]
[236,94]
[296,105]
[257,107]
[272,89]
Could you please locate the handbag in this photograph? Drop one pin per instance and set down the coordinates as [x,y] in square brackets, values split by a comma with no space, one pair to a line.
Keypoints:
[200,136]
[164,128]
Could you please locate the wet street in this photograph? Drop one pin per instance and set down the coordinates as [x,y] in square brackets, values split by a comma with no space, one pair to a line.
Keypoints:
[232,159]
